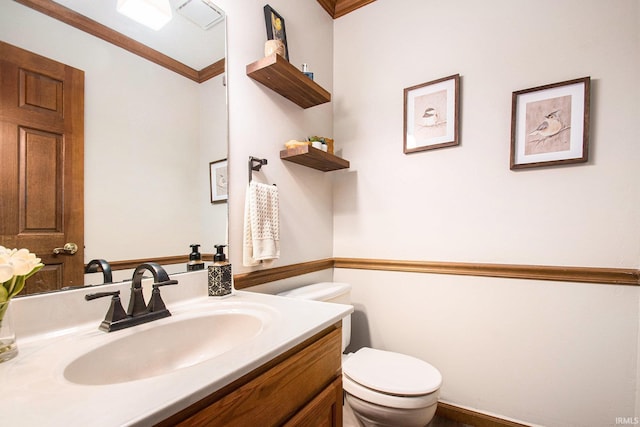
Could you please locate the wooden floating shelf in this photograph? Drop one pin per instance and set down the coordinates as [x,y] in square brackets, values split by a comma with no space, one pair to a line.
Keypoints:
[279,75]
[311,157]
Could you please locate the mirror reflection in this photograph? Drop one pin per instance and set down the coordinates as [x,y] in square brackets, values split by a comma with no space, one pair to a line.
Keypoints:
[149,136]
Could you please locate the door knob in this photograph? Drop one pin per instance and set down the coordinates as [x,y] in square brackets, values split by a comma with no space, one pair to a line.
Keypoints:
[68,249]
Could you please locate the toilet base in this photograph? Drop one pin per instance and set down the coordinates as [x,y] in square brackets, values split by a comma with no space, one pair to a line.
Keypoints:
[370,415]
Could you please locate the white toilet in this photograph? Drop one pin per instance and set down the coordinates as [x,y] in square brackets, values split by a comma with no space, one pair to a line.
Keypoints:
[382,388]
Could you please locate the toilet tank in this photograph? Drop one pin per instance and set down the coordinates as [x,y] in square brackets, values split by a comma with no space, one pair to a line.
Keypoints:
[335,292]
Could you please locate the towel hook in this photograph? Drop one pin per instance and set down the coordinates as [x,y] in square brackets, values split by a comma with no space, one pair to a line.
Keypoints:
[255,167]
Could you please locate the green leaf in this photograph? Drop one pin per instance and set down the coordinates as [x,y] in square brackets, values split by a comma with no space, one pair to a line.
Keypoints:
[18,286]
[4,294]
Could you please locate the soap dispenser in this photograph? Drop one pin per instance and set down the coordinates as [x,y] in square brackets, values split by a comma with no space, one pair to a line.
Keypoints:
[220,274]
[195,259]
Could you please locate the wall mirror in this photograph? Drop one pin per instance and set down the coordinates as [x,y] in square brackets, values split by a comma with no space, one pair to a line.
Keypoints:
[150,130]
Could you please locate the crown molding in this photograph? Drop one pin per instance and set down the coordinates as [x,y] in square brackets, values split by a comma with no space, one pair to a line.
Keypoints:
[81,22]
[338,8]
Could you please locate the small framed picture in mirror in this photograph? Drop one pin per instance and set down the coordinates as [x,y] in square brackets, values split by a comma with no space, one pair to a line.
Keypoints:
[218,181]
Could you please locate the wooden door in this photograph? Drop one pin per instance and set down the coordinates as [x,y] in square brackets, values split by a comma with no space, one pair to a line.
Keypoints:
[42,164]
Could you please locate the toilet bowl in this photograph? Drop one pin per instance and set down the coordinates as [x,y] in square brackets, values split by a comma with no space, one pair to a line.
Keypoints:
[383,388]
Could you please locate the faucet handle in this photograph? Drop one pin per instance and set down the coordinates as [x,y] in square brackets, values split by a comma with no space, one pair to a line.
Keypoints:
[116,311]
[156,303]
[95,295]
[165,283]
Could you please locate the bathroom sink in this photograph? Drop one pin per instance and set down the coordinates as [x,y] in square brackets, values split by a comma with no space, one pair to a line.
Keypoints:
[152,371]
[164,347]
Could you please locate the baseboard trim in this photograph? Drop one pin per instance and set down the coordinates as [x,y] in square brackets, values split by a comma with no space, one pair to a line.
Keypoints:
[472,418]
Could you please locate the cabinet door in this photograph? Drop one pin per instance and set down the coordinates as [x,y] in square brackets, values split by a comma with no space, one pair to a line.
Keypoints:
[325,410]
[275,395]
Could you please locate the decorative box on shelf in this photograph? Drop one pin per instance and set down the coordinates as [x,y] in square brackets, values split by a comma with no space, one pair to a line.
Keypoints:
[279,75]
[312,157]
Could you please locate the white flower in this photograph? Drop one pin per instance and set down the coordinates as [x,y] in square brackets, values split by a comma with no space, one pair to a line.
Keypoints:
[6,272]
[5,253]
[16,266]
[6,268]
[23,262]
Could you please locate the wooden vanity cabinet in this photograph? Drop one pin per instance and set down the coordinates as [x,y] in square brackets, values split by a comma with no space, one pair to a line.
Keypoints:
[302,387]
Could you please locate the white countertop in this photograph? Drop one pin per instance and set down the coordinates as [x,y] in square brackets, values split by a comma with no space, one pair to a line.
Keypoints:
[36,393]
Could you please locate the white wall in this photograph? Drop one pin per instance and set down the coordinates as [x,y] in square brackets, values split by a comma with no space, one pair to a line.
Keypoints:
[553,354]
[142,124]
[499,343]
[556,354]
[261,121]
[213,146]
[463,203]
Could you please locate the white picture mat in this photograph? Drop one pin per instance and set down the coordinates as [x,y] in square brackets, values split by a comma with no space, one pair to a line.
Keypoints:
[449,86]
[577,93]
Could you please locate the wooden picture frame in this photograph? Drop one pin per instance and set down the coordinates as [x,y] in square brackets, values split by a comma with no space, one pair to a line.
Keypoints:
[431,114]
[275,28]
[550,124]
[218,181]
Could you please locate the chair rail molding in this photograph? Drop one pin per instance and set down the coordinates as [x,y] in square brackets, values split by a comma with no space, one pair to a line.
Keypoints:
[606,276]
[593,275]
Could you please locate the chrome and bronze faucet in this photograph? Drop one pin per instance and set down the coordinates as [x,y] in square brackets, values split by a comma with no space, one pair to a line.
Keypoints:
[139,312]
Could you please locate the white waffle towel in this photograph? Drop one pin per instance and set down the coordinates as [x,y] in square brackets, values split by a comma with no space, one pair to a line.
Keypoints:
[261,225]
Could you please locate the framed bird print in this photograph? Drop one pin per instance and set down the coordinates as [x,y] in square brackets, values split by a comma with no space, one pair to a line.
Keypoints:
[550,124]
[431,114]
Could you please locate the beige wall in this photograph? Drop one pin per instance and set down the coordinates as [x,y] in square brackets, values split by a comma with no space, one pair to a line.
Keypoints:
[555,354]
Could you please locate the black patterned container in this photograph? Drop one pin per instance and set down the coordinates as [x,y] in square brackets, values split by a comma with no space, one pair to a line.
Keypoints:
[219,280]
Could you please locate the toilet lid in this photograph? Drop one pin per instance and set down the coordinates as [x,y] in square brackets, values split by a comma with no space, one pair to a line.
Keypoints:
[392,373]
